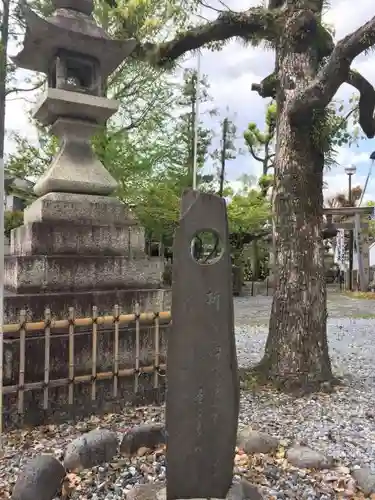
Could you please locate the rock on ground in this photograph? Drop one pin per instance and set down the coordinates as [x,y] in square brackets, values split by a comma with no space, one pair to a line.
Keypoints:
[251,441]
[96,447]
[40,479]
[149,436]
[306,458]
[365,478]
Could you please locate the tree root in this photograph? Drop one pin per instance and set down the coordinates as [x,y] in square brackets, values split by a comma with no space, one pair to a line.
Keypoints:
[260,377]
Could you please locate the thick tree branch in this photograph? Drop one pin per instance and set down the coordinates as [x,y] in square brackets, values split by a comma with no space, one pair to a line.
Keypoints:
[334,73]
[254,23]
[366,102]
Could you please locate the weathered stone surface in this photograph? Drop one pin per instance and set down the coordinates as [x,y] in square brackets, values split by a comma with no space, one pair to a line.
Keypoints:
[142,436]
[82,36]
[39,479]
[306,458]
[203,387]
[252,441]
[59,238]
[28,274]
[365,478]
[152,299]
[76,168]
[79,208]
[239,490]
[93,448]
[59,102]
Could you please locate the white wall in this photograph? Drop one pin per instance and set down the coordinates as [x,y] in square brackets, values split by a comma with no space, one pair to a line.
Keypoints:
[372,254]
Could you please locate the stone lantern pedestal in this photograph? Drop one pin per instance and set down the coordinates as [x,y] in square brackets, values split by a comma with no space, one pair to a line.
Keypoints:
[78,250]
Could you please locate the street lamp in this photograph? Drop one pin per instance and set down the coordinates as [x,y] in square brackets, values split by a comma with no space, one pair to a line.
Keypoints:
[350,171]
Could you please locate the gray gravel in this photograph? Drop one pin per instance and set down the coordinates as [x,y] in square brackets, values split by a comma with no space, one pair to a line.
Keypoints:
[340,425]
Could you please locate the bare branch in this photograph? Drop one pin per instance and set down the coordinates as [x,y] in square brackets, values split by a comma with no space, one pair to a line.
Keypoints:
[254,23]
[226,6]
[334,73]
[16,90]
[203,4]
[254,154]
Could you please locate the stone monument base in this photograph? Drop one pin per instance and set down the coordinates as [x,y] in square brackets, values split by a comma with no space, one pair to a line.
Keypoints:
[240,490]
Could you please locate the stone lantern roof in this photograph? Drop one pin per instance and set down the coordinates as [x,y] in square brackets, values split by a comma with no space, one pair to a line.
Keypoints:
[72,28]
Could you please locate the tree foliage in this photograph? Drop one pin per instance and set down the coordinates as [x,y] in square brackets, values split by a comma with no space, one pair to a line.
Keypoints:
[248,212]
[261,144]
[12,219]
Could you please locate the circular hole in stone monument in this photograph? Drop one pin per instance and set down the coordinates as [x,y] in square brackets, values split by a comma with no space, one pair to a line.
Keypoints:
[206,247]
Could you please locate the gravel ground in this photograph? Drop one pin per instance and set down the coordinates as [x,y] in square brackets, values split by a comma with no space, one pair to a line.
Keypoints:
[341,425]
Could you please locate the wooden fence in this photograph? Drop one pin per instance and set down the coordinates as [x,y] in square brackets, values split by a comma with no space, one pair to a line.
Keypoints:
[136,327]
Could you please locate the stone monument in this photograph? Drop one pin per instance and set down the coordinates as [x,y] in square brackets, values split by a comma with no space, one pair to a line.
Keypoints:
[202,402]
[202,375]
[78,246]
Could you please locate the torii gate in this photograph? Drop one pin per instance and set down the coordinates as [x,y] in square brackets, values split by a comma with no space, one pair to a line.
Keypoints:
[359,219]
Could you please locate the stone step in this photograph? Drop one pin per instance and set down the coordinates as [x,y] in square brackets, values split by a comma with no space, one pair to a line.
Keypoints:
[41,273]
[61,238]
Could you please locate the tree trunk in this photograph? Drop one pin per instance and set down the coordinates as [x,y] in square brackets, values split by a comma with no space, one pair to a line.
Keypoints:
[296,352]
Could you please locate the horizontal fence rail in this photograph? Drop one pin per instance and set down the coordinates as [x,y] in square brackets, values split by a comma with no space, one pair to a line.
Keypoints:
[18,335]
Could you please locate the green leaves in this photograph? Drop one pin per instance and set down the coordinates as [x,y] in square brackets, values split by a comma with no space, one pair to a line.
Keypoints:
[261,144]
[248,212]
[11,221]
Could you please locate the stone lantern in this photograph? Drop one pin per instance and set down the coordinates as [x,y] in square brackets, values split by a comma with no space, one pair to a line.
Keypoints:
[76,239]
[77,56]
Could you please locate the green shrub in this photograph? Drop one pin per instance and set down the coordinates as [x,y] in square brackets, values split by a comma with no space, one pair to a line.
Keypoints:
[11,221]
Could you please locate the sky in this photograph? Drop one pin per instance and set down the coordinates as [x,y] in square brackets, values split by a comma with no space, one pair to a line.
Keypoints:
[231,73]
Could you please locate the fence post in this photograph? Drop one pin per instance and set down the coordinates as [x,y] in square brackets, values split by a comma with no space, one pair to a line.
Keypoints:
[137,347]
[47,349]
[116,356]
[71,356]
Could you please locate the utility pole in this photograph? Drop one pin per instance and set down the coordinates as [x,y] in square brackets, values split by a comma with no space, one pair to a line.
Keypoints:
[223,155]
